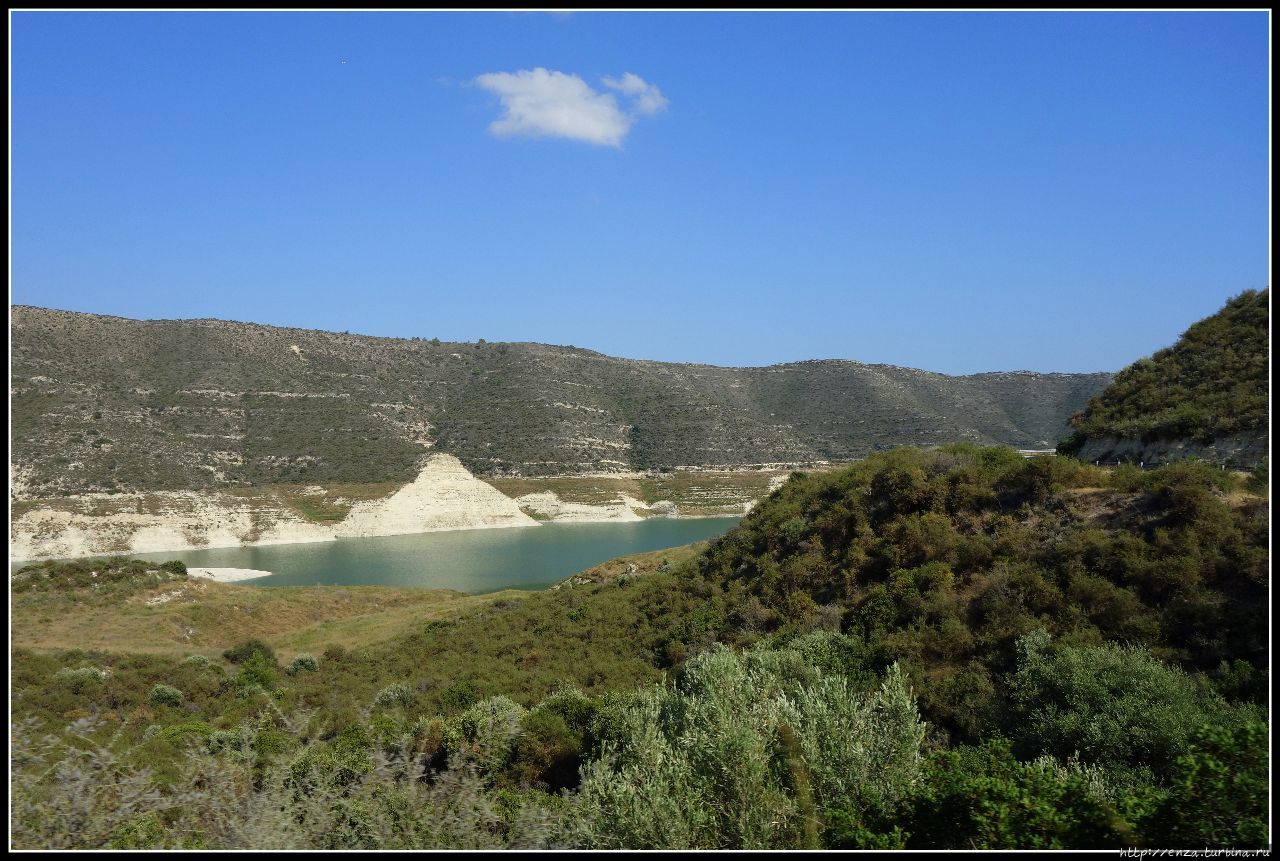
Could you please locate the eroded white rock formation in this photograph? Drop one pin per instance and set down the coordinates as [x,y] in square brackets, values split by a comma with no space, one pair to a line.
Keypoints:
[443,496]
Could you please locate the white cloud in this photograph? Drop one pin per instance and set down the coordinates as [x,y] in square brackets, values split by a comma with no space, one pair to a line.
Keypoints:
[648,98]
[543,103]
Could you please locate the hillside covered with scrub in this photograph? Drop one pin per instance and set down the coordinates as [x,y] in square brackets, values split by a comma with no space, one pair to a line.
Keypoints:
[954,648]
[1204,396]
[105,403]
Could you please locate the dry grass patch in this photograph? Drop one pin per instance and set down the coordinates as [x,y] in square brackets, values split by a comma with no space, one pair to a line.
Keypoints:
[203,616]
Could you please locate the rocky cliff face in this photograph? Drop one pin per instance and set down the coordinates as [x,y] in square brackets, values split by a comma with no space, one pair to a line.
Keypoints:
[548,506]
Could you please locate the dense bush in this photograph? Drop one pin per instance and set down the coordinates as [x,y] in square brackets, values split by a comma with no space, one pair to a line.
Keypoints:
[943,559]
[302,662]
[745,752]
[394,694]
[165,695]
[485,732]
[983,797]
[1114,705]
[244,651]
[258,673]
[78,677]
[1217,792]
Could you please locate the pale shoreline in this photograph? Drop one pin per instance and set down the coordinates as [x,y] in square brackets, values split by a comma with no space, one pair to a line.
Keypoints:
[565,521]
[226,575]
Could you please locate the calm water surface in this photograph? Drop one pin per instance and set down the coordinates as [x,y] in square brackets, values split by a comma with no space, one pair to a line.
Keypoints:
[473,560]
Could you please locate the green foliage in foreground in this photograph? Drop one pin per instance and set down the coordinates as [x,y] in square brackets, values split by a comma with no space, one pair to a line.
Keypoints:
[745,752]
[759,749]
[1111,704]
[1214,793]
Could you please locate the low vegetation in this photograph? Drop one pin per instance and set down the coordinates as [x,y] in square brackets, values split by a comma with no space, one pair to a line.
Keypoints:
[140,607]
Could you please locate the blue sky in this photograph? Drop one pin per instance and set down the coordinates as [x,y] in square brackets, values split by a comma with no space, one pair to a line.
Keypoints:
[955,192]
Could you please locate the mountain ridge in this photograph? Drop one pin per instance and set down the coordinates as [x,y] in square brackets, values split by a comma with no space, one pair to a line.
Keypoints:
[572,347]
[106,403]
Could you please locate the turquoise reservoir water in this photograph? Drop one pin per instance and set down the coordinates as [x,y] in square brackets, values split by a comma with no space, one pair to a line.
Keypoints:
[472,560]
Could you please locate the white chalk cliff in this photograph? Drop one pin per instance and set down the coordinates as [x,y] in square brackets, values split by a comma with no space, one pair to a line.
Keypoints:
[443,496]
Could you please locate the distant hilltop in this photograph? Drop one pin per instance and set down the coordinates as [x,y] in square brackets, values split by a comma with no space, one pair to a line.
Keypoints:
[107,403]
[1204,397]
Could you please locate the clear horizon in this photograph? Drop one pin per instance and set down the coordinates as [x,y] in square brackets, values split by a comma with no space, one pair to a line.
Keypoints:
[959,193]
[565,346]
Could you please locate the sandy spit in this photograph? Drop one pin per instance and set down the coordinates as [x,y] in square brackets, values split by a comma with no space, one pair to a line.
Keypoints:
[227,575]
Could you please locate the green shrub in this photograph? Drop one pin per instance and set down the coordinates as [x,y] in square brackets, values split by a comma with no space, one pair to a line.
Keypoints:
[165,695]
[744,753]
[244,651]
[983,798]
[1218,792]
[301,662]
[197,661]
[459,696]
[571,704]
[484,733]
[1113,705]
[257,673]
[225,740]
[182,731]
[394,694]
[78,678]
[1258,481]
[174,566]
[547,752]
[144,832]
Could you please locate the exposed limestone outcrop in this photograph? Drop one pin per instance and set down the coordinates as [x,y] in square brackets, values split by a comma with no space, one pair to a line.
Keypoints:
[546,505]
[443,496]
[100,523]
